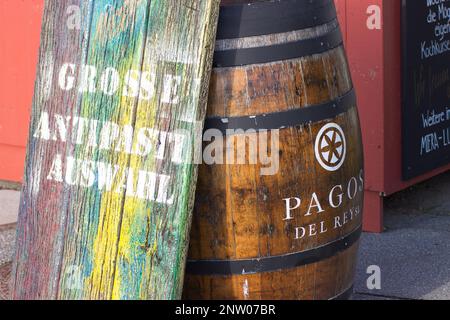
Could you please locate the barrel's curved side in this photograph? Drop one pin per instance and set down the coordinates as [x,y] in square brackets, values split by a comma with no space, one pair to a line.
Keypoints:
[241,217]
[279,86]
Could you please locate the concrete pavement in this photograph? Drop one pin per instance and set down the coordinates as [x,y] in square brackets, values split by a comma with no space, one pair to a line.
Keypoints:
[9,206]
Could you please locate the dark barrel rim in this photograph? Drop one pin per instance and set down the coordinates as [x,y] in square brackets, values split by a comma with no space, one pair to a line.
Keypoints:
[262,18]
[278,52]
[284,119]
[273,263]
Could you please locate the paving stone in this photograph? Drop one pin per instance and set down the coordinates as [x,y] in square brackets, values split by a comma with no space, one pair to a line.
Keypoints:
[9,206]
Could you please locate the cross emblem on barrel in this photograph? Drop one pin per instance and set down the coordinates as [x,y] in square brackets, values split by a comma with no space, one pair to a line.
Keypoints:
[331,147]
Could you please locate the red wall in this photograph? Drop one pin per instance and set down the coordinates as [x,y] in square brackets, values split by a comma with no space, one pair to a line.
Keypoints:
[375,63]
[20,24]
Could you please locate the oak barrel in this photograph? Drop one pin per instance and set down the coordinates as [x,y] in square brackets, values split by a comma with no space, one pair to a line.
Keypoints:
[262,231]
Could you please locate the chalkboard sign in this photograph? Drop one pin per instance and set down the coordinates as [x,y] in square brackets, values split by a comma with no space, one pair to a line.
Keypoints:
[426,86]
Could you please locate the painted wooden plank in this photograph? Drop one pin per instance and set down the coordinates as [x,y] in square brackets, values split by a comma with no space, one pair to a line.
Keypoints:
[110,177]
[41,223]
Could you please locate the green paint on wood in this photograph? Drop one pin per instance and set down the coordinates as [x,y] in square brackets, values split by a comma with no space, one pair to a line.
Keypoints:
[107,201]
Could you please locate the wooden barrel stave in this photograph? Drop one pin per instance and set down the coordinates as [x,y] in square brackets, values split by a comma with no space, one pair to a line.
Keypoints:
[310,282]
[239,213]
[284,85]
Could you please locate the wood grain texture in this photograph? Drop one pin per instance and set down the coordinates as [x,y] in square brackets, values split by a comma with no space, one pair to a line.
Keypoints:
[108,194]
[240,214]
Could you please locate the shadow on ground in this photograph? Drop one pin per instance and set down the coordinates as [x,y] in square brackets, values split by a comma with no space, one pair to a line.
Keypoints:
[414,252]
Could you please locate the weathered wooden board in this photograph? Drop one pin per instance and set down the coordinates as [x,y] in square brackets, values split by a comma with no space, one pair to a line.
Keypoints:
[280,217]
[107,200]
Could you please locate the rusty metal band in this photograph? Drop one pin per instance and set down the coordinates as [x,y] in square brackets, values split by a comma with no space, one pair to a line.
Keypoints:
[284,119]
[262,18]
[278,52]
[274,263]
